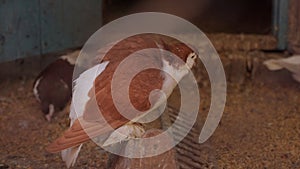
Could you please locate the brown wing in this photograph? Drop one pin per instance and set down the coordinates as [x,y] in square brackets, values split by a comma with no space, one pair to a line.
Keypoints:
[141,85]
[78,134]
[93,124]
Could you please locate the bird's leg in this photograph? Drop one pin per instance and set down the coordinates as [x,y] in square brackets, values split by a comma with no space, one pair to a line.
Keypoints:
[135,129]
[51,111]
[153,115]
[125,133]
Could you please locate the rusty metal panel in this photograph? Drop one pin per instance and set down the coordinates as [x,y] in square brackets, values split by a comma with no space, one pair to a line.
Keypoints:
[68,23]
[294,26]
[280,22]
[36,27]
[19,29]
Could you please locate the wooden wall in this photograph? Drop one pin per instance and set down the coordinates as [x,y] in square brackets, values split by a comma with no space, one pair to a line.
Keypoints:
[36,27]
[294,26]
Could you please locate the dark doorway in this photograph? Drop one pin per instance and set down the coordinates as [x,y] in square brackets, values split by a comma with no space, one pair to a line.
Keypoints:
[212,16]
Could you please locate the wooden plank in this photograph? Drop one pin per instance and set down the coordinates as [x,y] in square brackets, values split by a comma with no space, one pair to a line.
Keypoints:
[68,23]
[19,35]
[294,27]
[35,27]
[280,22]
[243,42]
[83,21]
[52,22]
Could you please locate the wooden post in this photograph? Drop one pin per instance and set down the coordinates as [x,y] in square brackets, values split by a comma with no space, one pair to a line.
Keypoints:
[166,160]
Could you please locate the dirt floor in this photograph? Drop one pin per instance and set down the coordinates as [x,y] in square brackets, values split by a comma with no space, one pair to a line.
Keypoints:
[260,127]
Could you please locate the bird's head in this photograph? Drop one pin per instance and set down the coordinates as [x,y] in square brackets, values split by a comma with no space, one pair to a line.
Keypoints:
[184,52]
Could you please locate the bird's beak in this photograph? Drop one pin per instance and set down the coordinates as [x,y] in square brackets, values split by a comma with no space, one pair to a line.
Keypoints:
[49,116]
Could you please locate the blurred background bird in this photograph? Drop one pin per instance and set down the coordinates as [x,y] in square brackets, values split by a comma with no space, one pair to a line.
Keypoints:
[292,64]
[53,86]
[93,90]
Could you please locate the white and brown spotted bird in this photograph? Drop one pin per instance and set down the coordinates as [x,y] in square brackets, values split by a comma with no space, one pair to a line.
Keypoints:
[53,86]
[292,64]
[91,90]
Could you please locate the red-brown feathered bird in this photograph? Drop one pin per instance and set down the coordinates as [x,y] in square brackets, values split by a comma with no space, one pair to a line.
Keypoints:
[91,90]
[53,86]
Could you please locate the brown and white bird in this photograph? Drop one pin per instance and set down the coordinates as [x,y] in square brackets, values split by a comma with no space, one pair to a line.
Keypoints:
[94,87]
[292,64]
[53,86]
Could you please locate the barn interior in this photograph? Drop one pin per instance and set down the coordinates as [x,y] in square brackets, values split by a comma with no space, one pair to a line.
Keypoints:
[259,127]
[210,16]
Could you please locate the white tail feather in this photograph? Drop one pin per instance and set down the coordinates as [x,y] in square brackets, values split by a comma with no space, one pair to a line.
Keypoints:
[82,86]
[70,155]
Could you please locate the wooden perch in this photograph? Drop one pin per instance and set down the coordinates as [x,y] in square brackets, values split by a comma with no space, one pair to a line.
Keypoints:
[166,160]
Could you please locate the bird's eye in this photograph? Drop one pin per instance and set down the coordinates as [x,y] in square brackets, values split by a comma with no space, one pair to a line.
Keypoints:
[193,56]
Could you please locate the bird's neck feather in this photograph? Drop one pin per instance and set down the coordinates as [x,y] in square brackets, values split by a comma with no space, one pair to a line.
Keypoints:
[172,75]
